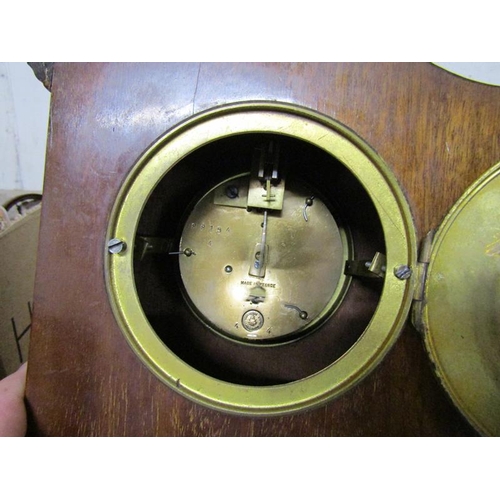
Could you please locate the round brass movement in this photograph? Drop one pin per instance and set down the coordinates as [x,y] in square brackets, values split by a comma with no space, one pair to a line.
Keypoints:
[253,259]
[260,258]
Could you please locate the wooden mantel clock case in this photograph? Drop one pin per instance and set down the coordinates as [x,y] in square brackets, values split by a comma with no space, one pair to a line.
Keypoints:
[268,250]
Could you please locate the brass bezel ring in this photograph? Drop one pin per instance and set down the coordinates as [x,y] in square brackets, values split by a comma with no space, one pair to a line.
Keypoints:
[363,162]
[457,317]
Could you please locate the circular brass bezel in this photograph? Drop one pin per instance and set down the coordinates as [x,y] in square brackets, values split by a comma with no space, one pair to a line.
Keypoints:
[460,315]
[370,170]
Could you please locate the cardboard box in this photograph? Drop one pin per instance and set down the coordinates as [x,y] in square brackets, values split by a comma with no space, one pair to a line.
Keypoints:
[18,249]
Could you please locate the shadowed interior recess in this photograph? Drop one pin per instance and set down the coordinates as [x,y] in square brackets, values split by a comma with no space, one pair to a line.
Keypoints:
[159,285]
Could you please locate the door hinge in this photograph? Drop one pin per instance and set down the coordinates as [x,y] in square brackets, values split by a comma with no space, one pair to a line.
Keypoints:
[419,295]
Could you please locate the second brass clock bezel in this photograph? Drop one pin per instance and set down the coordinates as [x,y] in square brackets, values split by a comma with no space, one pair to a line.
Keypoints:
[371,172]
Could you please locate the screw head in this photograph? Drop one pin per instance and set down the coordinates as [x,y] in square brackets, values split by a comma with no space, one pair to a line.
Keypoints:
[232,192]
[116,245]
[402,272]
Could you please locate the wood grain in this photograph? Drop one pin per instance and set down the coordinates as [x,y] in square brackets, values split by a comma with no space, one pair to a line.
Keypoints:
[438,133]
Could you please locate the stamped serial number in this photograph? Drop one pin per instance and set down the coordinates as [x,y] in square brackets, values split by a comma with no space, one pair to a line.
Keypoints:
[210,228]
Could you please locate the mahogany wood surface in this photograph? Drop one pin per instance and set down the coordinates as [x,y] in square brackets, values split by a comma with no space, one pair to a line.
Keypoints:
[438,133]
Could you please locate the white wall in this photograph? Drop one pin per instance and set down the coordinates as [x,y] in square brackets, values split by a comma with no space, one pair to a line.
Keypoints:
[24,113]
[485,72]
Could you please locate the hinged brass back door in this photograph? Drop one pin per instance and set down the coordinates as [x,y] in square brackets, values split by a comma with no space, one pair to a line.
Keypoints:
[460,317]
